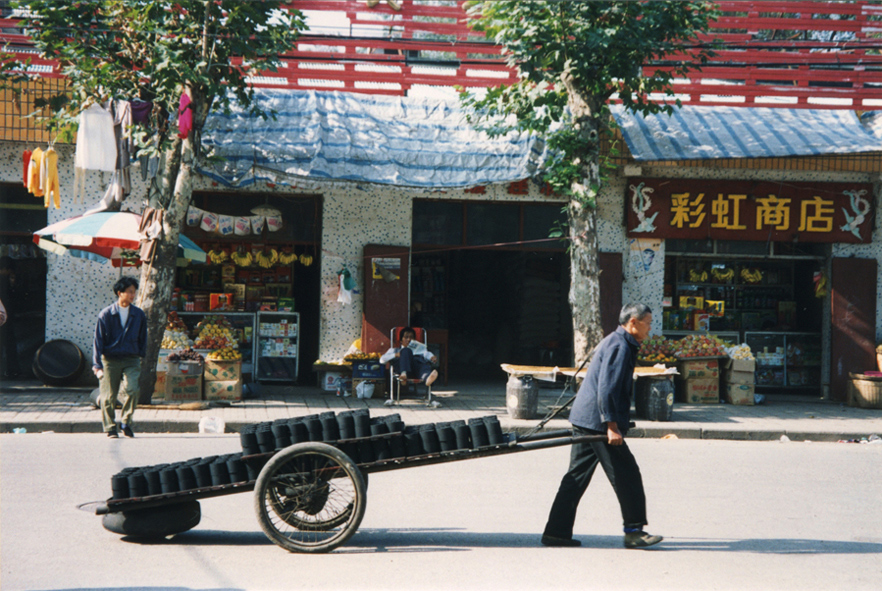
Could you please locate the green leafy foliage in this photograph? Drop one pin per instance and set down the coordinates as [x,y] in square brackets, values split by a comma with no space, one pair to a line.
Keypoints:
[571,58]
[153,49]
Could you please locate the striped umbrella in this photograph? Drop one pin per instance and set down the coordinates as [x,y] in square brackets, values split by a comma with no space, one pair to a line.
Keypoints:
[105,235]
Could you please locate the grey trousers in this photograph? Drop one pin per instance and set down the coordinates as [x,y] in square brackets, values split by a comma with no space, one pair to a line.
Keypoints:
[121,375]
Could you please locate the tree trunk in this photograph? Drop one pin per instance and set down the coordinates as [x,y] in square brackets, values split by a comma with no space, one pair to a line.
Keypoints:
[582,217]
[158,278]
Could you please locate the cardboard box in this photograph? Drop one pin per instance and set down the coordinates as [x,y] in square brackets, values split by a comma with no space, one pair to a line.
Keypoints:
[370,368]
[159,387]
[740,377]
[741,394]
[379,386]
[184,368]
[332,380]
[694,302]
[220,370]
[221,301]
[699,368]
[700,321]
[741,365]
[223,390]
[699,391]
[183,388]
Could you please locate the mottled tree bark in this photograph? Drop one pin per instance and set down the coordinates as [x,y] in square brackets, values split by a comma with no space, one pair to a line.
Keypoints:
[582,217]
[158,278]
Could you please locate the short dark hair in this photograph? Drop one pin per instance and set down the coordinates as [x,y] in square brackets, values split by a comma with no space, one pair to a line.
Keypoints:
[630,311]
[405,330]
[123,283]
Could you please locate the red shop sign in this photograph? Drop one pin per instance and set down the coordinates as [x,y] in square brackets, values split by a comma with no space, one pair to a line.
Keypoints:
[749,210]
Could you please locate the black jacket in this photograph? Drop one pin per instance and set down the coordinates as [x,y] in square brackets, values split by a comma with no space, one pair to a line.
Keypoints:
[605,394]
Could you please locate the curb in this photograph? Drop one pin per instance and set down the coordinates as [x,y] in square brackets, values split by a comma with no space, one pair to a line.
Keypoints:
[648,432]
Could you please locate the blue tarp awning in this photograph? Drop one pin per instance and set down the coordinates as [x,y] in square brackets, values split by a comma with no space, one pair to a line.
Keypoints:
[390,140]
[705,133]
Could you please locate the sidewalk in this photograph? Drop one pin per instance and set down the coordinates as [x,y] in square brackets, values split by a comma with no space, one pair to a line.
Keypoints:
[38,408]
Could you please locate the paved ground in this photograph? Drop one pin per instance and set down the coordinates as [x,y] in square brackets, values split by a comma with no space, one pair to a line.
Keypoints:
[37,408]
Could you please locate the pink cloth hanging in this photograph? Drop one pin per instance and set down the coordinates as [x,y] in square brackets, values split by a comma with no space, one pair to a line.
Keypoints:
[185,117]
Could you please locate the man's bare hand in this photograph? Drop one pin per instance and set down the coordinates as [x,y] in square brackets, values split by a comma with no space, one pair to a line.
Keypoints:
[613,436]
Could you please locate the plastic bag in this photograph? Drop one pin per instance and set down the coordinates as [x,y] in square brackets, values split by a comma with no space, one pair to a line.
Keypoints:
[364,390]
[212,425]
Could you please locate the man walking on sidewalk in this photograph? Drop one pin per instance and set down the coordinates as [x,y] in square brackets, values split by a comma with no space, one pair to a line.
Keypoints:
[120,343]
[603,407]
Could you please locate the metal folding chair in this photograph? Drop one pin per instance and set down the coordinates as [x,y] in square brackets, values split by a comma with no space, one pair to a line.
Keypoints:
[395,378]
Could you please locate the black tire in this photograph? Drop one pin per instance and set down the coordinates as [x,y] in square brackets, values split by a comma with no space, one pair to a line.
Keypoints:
[156,522]
[58,363]
[310,497]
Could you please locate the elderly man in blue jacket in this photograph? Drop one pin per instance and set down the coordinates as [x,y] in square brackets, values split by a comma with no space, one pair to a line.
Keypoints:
[603,407]
[120,343]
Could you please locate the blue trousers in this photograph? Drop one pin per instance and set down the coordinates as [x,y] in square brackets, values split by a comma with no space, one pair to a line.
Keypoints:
[621,470]
[415,366]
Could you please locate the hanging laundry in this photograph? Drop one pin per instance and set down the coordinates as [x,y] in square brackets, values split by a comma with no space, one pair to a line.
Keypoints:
[49,178]
[141,111]
[150,230]
[34,170]
[185,117]
[96,146]
[26,158]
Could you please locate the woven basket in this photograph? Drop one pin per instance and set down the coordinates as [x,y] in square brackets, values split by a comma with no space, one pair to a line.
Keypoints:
[865,391]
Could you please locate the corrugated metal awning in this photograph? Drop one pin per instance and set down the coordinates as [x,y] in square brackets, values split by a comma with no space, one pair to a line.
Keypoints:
[336,136]
[704,133]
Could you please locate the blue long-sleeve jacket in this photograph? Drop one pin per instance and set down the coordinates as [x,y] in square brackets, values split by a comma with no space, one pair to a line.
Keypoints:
[115,340]
[605,394]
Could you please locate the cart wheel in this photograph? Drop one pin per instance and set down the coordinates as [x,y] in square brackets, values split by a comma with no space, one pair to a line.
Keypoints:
[309,497]
[156,522]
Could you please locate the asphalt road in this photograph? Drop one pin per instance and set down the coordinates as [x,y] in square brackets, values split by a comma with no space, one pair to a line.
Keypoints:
[736,515]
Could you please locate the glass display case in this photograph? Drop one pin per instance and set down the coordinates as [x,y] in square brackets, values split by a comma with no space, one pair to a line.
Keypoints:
[278,346]
[786,360]
[243,327]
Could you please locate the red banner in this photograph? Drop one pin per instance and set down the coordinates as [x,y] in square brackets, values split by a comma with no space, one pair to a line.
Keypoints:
[749,210]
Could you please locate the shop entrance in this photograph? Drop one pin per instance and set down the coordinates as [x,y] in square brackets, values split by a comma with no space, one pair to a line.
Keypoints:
[497,306]
[772,303]
[263,264]
[22,281]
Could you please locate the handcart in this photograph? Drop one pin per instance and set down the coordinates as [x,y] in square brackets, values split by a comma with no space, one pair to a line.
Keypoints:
[308,497]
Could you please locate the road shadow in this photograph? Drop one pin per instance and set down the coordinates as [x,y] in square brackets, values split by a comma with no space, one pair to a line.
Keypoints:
[384,540]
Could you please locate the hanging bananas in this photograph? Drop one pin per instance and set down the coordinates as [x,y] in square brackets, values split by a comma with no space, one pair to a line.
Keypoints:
[723,275]
[751,275]
[218,256]
[286,258]
[696,276]
[305,260]
[268,259]
[243,259]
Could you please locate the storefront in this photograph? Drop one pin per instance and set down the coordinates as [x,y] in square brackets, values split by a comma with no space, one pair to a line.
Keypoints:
[750,262]
[260,279]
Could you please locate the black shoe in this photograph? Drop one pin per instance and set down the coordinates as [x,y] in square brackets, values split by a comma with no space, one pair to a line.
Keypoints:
[127,431]
[113,434]
[641,539]
[560,542]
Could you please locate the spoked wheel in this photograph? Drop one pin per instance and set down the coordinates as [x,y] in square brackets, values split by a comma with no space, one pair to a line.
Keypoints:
[310,497]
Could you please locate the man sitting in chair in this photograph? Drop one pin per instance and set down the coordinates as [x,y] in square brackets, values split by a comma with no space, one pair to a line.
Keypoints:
[412,358]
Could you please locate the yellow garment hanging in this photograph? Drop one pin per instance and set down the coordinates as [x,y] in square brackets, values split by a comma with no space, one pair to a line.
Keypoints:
[34,173]
[50,175]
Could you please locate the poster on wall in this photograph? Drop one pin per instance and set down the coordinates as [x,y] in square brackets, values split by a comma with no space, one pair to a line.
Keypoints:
[643,254]
[750,210]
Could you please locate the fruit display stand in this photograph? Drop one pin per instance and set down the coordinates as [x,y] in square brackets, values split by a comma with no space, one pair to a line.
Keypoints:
[244,328]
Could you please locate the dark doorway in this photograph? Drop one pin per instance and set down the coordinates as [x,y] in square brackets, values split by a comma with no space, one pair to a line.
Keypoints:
[22,280]
[498,307]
